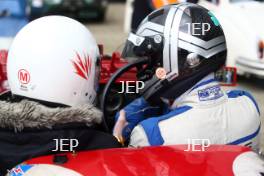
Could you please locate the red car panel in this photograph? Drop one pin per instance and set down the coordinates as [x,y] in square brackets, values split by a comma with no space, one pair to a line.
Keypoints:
[149,161]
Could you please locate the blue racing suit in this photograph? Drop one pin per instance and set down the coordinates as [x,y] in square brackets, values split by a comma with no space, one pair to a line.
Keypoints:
[205,111]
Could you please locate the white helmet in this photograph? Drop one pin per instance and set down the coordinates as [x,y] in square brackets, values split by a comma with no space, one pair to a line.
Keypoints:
[54,59]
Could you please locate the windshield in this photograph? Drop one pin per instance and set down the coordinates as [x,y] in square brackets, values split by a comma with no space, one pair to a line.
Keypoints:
[237,1]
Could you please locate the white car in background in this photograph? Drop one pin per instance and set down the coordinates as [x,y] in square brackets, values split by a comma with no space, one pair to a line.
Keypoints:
[243,24]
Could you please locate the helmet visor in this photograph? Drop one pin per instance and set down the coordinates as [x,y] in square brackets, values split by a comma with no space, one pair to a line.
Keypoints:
[132,43]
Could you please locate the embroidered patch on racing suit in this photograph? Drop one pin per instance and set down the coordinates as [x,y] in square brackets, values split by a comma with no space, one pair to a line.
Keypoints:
[210,93]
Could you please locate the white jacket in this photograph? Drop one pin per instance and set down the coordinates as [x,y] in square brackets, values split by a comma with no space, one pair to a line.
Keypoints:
[204,112]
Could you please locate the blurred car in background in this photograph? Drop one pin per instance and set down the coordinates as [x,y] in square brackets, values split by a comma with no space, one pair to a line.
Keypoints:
[81,9]
[13,17]
[243,24]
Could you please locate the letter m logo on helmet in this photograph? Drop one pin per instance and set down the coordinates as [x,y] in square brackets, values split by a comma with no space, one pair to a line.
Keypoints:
[23,76]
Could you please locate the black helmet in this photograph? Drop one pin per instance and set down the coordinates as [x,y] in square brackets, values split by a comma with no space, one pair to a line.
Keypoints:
[183,42]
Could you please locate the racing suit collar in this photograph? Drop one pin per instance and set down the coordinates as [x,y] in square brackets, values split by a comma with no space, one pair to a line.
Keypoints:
[194,95]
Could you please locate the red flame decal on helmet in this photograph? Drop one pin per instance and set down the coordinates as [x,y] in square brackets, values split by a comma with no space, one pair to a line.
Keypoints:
[82,66]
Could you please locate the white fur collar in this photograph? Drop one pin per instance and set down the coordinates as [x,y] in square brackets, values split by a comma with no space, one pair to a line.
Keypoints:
[29,114]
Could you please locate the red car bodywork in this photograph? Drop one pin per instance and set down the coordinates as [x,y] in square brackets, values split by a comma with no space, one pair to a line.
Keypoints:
[109,65]
[149,161]
[3,74]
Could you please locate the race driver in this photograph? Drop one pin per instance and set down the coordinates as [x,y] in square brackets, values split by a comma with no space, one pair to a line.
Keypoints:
[53,69]
[185,45]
